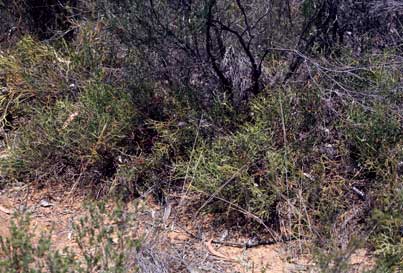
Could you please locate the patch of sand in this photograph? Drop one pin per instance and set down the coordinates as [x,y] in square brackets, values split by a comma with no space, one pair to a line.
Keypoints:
[63,210]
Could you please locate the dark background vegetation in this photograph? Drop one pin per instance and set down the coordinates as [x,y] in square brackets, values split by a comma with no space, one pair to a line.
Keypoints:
[288,112]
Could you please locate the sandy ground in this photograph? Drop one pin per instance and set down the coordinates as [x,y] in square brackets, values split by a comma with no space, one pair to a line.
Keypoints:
[55,211]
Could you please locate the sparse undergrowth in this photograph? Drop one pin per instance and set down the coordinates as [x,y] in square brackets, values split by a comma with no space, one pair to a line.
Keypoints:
[106,242]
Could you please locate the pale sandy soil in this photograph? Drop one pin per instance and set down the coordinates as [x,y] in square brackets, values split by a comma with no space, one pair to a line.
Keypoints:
[65,208]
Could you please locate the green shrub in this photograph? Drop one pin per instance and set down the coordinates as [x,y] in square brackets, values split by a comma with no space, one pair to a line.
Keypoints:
[387,220]
[372,135]
[18,252]
[33,74]
[333,259]
[167,142]
[105,239]
[96,53]
[299,149]
[246,169]
[277,157]
[75,139]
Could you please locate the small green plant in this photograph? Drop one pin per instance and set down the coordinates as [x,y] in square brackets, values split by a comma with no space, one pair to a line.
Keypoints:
[106,242]
[19,251]
[172,140]
[335,260]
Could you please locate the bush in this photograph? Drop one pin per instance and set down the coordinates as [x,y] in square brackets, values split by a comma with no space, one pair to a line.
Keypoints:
[209,37]
[149,94]
[45,19]
[373,136]
[336,260]
[33,75]
[18,252]
[168,141]
[75,139]
[297,161]
[273,159]
[105,239]
[387,220]
[245,169]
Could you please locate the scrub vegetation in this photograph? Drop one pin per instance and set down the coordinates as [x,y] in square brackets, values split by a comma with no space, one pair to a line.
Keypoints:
[283,113]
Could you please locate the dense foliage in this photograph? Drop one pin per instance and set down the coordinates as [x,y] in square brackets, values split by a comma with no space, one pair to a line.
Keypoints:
[288,113]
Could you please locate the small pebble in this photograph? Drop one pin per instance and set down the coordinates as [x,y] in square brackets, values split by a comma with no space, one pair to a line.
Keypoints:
[44,203]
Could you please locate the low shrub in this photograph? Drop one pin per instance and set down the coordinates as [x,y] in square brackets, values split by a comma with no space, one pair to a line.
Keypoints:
[75,140]
[168,141]
[296,163]
[337,260]
[243,170]
[283,156]
[18,252]
[32,75]
[387,222]
[373,134]
[106,242]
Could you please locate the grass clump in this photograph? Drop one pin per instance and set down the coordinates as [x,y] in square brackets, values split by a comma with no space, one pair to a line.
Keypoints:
[75,139]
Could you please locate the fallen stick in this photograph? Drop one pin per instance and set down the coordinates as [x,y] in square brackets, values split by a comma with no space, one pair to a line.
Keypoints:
[216,253]
[6,211]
